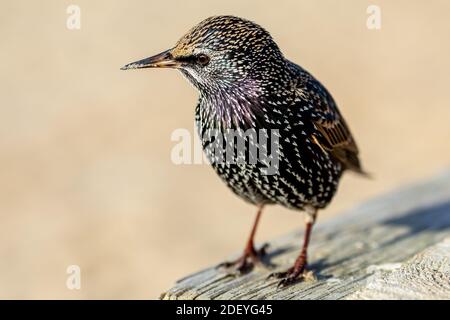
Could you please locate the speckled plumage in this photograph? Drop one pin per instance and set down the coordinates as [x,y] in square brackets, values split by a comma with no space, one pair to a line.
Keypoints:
[265,90]
[245,82]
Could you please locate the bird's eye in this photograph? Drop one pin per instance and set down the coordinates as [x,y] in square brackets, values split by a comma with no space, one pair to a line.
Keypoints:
[203,59]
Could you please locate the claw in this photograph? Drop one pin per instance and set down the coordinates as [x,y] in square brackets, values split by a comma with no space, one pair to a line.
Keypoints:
[290,276]
[277,275]
[288,281]
[246,262]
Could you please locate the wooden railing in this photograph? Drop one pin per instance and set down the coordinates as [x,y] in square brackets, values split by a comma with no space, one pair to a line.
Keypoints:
[396,246]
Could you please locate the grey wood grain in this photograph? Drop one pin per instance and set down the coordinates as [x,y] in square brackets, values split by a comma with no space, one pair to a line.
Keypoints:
[425,276]
[348,253]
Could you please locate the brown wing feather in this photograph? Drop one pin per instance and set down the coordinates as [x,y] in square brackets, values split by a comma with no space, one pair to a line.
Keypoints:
[337,139]
[332,134]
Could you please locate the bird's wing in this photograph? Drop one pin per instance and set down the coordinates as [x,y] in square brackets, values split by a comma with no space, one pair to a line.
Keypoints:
[332,133]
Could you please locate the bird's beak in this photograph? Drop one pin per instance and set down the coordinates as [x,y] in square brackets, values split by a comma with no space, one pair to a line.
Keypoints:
[161,60]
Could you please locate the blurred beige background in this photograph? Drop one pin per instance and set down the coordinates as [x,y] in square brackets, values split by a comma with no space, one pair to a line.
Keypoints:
[85,170]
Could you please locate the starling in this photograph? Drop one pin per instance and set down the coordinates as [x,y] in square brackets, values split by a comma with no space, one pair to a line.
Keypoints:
[245,82]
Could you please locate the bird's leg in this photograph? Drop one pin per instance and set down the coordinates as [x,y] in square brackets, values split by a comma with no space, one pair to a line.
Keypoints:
[250,256]
[299,268]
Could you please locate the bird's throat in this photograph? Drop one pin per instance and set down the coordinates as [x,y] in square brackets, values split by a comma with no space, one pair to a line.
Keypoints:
[231,108]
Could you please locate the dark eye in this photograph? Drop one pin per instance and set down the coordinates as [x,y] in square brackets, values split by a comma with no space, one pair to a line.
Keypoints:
[203,59]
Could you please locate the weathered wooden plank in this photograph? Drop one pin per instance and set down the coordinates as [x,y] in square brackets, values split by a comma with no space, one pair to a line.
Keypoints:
[425,276]
[345,252]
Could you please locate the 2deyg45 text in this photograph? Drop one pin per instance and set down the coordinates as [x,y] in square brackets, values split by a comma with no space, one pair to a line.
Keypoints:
[239,309]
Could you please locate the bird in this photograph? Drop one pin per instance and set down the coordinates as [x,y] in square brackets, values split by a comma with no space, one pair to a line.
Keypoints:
[246,83]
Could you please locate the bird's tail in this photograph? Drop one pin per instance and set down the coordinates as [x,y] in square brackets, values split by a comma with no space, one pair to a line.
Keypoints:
[353,164]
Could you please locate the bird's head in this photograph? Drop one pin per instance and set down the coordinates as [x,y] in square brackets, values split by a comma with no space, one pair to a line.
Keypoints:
[221,52]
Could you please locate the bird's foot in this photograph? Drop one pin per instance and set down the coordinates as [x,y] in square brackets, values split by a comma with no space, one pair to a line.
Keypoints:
[244,264]
[293,275]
